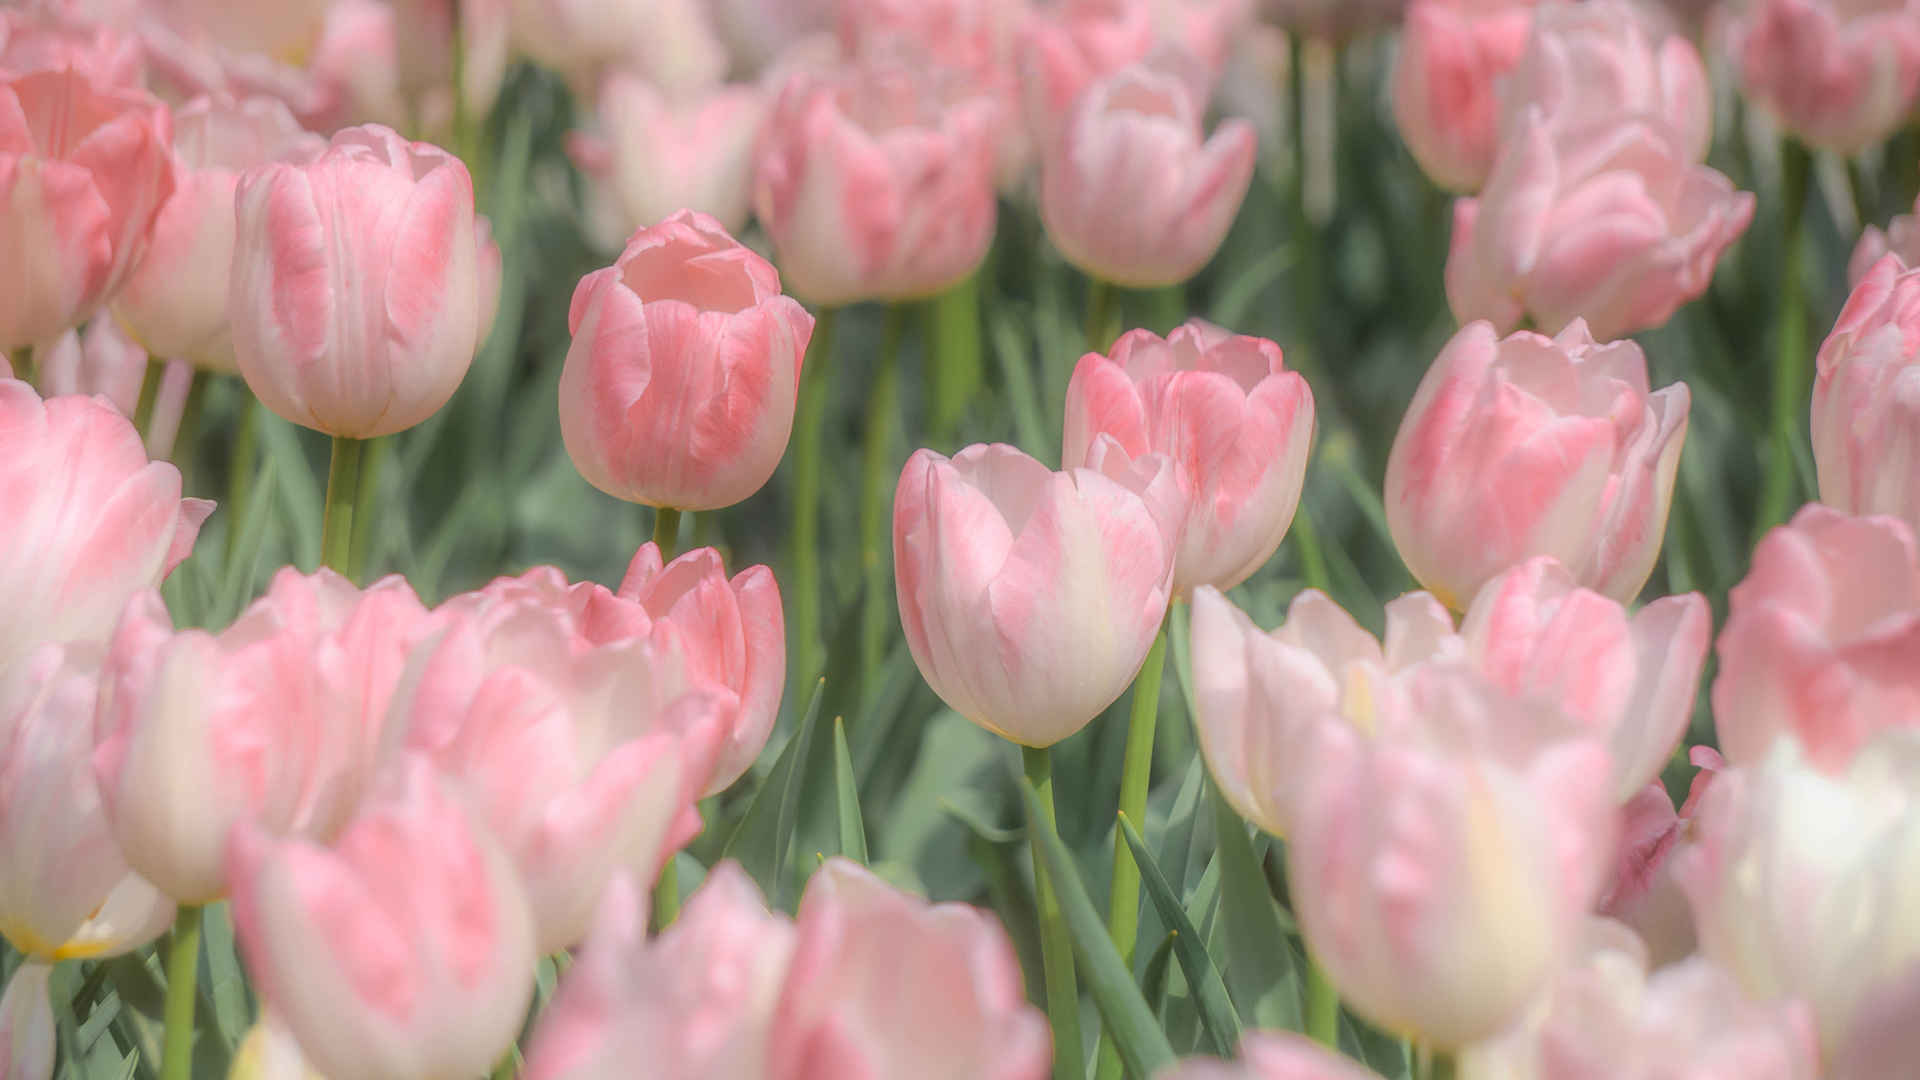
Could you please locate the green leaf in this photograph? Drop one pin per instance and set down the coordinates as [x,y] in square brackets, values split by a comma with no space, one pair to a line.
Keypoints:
[225,988]
[764,837]
[853,833]
[1261,974]
[280,443]
[1209,992]
[240,573]
[1153,981]
[1010,350]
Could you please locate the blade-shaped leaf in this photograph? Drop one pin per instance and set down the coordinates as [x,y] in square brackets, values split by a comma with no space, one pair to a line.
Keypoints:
[1261,974]
[853,832]
[1209,991]
[764,837]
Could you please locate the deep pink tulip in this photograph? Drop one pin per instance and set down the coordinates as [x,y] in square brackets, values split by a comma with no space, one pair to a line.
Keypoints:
[403,950]
[876,183]
[1267,1055]
[1528,445]
[1230,415]
[658,155]
[27,1032]
[83,170]
[78,549]
[1619,226]
[1866,398]
[679,386]
[1452,58]
[1842,76]
[355,299]
[1030,597]
[1822,639]
[277,721]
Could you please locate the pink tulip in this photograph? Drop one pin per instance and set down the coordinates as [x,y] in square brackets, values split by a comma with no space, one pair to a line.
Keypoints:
[883,985]
[1527,445]
[355,297]
[80,548]
[83,170]
[671,42]
[1266,1055]
[758,33]
[99,360]
[875,184]
[65,889]
[660,155]
[1841,76]
[1803,885]
[695,1002]
[277,721]
[52,39]
[1237,423]
[27,1034]
[1822,639]
[1901,237]
[1620,227]
[1866,398]
[1643,893]
[355,72]
[1029,597]
[1130,193]
[1452,58]
[679,386]
[284,30]
[428,35]
[1068,46]
[404,950]
[175,301]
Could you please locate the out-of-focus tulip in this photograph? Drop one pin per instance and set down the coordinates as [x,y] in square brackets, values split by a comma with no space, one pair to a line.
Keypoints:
[175,301]
[1804,884]
[884,985]
[83,170]
[99,360]
[1841,76]
[65,889]
[874,183]
[1445,104]
[1619,227]
[697,1001]
[1528,445]
[1030,597]
[1642,893]
[1067,47]
[1822,639]
[27,1034]
[1230,415]
[1866,398]
[1607,1017]
[679,386]
[660,155]
[1901,237]
[270,1052]
[1268,1055]
[671,42]
[78,549]
[355,302]
[1130,193]
[51,39]
[277,721]
[405,949]
[286,31]
[428,35]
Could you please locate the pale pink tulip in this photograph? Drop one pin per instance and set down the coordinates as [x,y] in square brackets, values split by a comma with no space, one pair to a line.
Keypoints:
[49,38]
[1840,75]
[1901,237]
[1068,46]
[1866,398]
[1030,597]
[1619,226]
[695,1003]
[1642,893]
[1822,639]
[1226,410]
[83,170]
[758,34]
[78,549]
[286,30]
[876,183]
[679,386]
[403,950]
[659,155]
[277,721]
[355,299]
[99,360]
[175,301]
[1131,192]
[1268,1055]
[1803,886]
[1452,58]
[428,34]
[671,42]
[1528,445]
[355,71]
[27,1034]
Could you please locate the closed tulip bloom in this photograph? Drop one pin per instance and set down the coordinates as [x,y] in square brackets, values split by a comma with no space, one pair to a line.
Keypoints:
[695,1003]
[1068,46]
[355,297]
[1803,885]
[1866,398]
[679,386]
[1901,237]
[78,549]
[403,950]
[27,1034]
[83,170]
[175,301]
[1822,639]
[1528,445]
[1619,227]
[1030,597]
[1271,1055]
[660,155]
[876,182]
[1228,412]
[276,721]
[1130,192]
[1841,76]
[1451,61]
[671,42]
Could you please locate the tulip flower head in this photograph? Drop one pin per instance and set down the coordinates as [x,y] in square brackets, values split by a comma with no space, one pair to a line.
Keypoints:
[1866,398]
[1445,81]
[1841,76]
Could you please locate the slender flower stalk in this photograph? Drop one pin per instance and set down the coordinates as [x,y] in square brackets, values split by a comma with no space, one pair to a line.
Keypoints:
[183,976]
[1056,948]
[666,890]
[666,532]
[809,421]
[878,614]
[149,395]
[1101,314]
[1790,366]
[343,493]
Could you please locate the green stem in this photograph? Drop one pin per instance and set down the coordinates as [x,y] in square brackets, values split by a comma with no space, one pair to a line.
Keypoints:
[666,532]
[808,424]
[1790,392]
[954,355]
[1323,1007]
[374,455]
[1101,304]
[877,613]
[183,976]
[1056,946]
[1123,899]
[241,468]
[1313,561]
[24,364]
[149,395]
[184,438]
[1441,1065]
[666,897]
[343,489]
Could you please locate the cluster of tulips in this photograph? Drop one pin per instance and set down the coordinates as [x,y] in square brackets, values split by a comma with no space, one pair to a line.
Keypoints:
[454,837]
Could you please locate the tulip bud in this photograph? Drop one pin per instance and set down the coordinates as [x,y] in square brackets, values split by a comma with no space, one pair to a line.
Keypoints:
[1866,398]
[1452,56]
[679,386]
[1841,76]
[664,154]
[1527,445]
[1266,1055]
